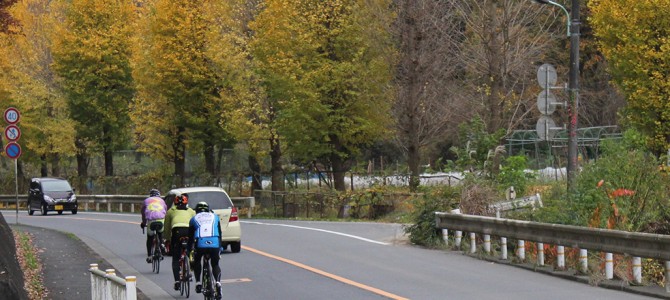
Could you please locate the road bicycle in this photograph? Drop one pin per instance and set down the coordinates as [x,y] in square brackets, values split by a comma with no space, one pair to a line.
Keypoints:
[184,270]
[208,289]
[156,253]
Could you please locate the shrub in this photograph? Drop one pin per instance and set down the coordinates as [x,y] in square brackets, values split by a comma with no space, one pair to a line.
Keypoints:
[423,231]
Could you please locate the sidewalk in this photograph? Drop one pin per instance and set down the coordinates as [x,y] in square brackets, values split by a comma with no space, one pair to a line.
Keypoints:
[66,260]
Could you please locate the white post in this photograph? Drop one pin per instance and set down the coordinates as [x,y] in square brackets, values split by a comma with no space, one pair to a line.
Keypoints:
[459,234]
[120,207]
[85,206]
[540,254]
[560,257]
[445,236]
[131,288]
[521,251]
[473,243]
[637,269]
[667,276]
[97,207]
[583,260]
[503,247]
[109,206]
[609,266]
[132,207]
[457,238]
[93,281]
[487,243]
[108,285]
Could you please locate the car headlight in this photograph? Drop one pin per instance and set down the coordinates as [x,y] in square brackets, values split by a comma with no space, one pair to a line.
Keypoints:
[72,198]
[48,199]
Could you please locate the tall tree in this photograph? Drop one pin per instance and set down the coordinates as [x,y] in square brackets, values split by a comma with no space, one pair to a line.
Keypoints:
[502,43]
[179,83]
[92,55]
[331,65]
[428,33]
[31,84]
[633,38]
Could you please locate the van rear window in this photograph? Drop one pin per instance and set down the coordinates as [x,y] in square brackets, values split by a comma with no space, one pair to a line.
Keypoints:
[216,200]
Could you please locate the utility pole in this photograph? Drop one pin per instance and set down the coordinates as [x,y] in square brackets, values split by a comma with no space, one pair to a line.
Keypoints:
[573,89]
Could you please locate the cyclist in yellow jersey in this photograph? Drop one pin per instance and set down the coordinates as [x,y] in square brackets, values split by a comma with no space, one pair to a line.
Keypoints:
[176,223]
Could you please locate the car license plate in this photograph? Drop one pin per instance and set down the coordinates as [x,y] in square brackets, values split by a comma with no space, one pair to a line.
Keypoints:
[58,207]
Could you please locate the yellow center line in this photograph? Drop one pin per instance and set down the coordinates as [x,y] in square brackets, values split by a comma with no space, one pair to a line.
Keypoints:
[290,262]
[329,275]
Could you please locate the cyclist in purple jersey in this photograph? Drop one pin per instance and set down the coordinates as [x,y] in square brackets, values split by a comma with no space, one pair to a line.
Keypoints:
[153,214]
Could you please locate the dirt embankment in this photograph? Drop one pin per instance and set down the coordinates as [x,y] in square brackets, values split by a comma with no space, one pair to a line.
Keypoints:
[11,276]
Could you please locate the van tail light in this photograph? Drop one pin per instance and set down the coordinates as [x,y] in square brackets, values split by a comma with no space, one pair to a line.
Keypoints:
[233,215]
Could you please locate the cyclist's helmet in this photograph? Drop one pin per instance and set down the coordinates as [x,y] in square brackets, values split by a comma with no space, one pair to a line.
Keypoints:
[154,193]
[181,200]
[201,207]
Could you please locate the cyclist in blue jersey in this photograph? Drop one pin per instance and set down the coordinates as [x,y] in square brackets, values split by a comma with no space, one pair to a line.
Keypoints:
[205,234]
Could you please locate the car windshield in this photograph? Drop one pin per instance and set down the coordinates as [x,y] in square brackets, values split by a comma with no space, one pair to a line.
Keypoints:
[216,200]
[56,186]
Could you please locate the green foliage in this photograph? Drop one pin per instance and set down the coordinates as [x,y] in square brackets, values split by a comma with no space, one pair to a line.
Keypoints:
[476,144]
[423,229]
[632,194]
[513,173]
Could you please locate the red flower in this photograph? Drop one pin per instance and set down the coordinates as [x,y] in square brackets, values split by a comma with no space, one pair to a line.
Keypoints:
[622,192]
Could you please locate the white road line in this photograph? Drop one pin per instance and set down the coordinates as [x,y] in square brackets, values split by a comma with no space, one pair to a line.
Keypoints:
[321,230]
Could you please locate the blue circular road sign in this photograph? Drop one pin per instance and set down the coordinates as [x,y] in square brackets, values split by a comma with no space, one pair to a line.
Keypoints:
[13,150]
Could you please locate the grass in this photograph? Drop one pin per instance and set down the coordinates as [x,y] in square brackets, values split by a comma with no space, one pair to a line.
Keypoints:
[28,259]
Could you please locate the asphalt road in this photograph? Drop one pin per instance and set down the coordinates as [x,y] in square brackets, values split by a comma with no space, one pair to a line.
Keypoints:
[322,260]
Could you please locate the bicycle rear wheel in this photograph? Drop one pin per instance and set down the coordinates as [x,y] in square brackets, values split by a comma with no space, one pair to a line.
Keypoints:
[185,280]
[156,256]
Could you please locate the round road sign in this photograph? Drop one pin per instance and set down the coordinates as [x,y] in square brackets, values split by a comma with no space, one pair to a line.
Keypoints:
[13,150]
[545,128]
[12,133]
[546,102]
[546,76]
[12,115]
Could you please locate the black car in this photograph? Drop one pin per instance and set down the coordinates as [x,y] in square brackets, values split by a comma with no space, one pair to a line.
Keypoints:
[51,194]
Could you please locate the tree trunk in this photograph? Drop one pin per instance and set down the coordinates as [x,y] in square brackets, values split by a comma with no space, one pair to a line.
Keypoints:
[44,169]
[276,167]
[210,165]
[82,159]
[179,157]
[413,160]
[256,180]
[109,163]
[339,169]
[219,161]
[55,165]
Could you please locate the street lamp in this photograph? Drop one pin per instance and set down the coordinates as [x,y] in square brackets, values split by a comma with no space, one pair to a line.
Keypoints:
[573,87]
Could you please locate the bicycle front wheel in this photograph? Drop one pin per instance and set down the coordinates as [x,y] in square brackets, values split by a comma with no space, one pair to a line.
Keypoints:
[207,289]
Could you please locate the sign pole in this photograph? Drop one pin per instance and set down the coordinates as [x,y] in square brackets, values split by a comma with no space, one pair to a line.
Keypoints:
[16,184]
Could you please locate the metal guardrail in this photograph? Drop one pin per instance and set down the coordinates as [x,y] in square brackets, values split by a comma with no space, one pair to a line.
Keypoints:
[121,203]
[633,243]
[105,285]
